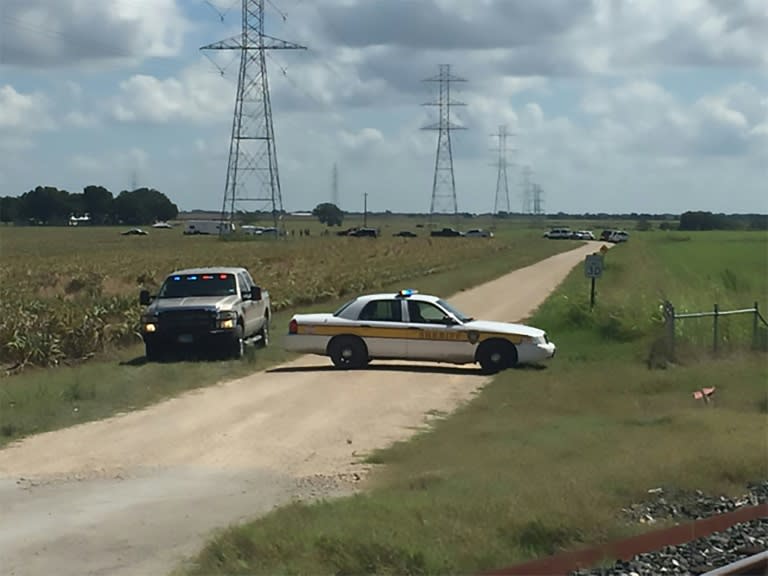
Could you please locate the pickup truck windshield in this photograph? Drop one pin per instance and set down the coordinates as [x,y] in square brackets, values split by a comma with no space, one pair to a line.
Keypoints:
[191,285]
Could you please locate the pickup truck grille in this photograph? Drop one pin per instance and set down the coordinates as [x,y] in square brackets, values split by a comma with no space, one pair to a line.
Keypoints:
[187,320]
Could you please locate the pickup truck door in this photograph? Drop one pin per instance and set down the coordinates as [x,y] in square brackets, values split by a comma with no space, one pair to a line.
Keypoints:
[250,308]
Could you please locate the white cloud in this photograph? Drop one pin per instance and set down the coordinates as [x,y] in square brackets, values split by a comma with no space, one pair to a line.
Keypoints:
[197,95]
[23,113]
[48,33]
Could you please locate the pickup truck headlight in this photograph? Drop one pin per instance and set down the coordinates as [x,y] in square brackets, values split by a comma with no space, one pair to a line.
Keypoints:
[226,320]
[149,323]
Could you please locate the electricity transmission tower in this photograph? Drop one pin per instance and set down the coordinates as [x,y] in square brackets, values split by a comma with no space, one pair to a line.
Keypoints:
[502,185]
[252,151]
[335,186]
[527,189]
[444,183]
[538,200]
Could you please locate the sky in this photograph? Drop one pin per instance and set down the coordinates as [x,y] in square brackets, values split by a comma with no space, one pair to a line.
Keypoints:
[624,106]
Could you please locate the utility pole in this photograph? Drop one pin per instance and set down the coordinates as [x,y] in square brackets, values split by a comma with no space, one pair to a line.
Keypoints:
[335,186]
[444,183]
[365,210]
[502,185]
[252,150]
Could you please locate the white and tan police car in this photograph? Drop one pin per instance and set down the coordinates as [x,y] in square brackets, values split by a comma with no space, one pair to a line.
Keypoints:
[410,326]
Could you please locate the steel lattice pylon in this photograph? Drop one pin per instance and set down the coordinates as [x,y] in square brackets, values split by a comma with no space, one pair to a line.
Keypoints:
[444,183]
[502,183]
[252,151]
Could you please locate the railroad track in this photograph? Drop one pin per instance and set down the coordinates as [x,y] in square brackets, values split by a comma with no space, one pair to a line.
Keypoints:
[653,542]
[756,565]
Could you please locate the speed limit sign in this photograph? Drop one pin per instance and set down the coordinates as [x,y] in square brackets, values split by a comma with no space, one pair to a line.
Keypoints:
[593,266]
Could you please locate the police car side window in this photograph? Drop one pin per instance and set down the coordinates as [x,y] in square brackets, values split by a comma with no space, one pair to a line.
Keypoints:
[382,311]
[425,313]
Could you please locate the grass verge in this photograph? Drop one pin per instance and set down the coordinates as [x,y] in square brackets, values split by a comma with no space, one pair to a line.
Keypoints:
[39,400]
[545,459]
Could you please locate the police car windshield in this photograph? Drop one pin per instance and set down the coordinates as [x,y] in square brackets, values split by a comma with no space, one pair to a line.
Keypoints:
[459,316]
[195,285]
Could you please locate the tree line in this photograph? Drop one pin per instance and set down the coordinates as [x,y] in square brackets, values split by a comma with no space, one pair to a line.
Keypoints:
[47,205]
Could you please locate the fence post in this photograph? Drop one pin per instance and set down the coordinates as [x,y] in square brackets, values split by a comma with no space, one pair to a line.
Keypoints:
[755,325]
[715,334]
[669,321]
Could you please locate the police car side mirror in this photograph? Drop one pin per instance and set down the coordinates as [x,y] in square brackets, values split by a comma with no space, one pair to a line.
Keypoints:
[448,321]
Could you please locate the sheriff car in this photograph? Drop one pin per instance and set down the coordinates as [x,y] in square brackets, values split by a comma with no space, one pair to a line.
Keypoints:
[410,326]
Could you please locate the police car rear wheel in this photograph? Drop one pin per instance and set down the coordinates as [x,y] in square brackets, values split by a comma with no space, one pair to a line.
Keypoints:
[348,352]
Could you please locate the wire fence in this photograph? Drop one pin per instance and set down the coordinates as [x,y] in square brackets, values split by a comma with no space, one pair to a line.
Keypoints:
[722,333]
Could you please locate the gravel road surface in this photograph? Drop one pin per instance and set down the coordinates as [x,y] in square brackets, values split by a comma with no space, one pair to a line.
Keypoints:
[136,493]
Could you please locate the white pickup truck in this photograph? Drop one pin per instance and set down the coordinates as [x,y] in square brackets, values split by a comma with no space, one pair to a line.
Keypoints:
[215,308]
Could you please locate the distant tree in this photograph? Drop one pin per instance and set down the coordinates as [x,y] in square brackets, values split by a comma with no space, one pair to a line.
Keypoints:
[666,226]
[47,204]
[329,214]
[643,225]
[9,209]
[702,221]
[143,206]
[98,202]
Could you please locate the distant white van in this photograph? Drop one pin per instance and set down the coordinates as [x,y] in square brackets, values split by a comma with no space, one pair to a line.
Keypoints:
[194,227]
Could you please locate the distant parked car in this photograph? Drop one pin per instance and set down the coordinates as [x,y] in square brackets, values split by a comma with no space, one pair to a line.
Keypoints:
[405,234]
[134,232]
[365,233]
[559,234]
[478,233]
[446,233]
[162,225]
[618,236]
[583,235]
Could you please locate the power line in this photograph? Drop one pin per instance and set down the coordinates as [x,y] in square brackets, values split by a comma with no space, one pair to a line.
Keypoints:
[444,182]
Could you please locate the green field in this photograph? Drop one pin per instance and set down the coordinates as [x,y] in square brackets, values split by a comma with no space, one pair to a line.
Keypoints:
[69,293]
[40,313]
[543,460]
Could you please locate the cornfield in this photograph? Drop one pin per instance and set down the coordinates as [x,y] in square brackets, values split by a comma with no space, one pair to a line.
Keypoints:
[66,294]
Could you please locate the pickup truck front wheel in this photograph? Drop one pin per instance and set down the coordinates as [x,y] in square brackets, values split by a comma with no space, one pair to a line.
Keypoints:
[152,352]
[264,333]
[236,344]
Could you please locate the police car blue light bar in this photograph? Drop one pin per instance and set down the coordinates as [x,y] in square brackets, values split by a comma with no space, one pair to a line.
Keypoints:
[407,292]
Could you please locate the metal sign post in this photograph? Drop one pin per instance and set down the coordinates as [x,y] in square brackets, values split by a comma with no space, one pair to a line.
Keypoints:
[593,269]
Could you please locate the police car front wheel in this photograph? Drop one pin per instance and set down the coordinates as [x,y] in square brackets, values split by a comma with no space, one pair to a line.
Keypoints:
[348,352]
[495,356]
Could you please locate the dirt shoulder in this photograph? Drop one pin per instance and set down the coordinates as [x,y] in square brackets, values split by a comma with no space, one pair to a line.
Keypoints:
[135,493]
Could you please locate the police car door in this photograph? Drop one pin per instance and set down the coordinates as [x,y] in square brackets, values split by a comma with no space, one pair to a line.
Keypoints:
[381,326]
[432,338]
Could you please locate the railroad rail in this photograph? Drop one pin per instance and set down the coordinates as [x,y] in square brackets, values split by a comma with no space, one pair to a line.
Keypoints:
[756,565]
[565,563]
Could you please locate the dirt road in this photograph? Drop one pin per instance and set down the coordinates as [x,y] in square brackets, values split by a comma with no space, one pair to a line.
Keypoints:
[134,494]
